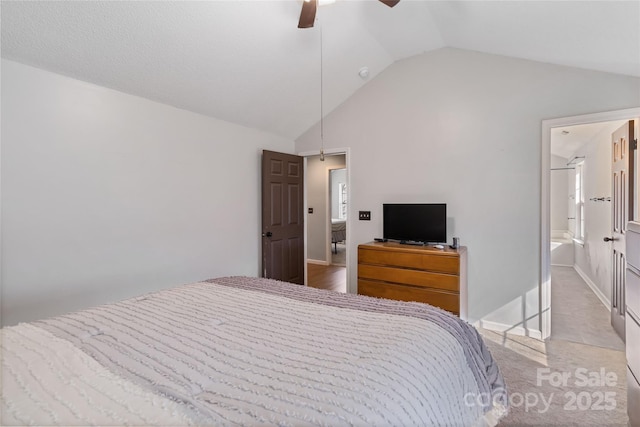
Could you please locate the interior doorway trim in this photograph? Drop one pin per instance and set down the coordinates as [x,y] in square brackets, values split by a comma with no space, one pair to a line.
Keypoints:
[545,201]
[347,162]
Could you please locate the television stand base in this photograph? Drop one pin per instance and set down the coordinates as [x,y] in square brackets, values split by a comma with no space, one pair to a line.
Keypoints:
[403,242]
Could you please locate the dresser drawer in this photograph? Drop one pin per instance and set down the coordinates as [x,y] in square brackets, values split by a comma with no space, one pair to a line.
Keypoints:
[419,261]
[449,301]
[405,276]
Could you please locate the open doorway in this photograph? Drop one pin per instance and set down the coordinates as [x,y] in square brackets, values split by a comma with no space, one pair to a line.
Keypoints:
[548,163]
[580,221]
[326,222]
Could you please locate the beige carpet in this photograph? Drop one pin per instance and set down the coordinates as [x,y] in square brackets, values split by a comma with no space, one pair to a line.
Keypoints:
[573,304]
[571,403]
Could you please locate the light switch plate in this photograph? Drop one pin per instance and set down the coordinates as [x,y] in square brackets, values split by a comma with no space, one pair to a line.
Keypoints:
[364,216]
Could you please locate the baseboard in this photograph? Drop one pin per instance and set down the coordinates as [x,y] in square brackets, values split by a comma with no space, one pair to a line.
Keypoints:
[562,265]
[504,328]
[317,261]
[603,299]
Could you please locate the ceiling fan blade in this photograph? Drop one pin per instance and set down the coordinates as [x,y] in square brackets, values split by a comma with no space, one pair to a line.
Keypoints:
[390,3]
[308,13]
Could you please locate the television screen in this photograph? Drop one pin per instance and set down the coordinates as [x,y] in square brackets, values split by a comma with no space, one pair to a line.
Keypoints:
[419,222]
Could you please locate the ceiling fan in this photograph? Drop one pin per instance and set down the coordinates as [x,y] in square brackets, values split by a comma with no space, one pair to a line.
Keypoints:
[309,7]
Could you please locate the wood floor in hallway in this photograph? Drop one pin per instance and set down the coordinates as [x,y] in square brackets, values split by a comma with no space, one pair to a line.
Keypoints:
[330,277]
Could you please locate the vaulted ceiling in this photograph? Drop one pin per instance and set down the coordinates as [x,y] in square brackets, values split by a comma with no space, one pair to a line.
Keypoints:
[247,62]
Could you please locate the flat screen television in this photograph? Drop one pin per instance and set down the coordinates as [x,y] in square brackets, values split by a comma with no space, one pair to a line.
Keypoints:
[416,222]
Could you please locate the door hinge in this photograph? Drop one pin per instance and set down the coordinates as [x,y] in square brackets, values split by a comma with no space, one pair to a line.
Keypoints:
[635,144]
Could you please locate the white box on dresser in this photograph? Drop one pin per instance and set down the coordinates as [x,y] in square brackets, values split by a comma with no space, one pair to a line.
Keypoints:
[632,322]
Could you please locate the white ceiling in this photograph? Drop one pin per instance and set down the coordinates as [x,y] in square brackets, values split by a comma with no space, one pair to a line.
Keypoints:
[247,62]
[566,141]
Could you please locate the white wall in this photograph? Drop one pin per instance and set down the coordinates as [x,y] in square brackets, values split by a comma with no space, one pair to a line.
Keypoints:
[593,259]
[559,193]
[107,195]
[464,128]
[318,198]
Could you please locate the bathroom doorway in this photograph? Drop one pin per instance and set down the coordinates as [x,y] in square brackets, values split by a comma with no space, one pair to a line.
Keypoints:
[581,216]
[548,128]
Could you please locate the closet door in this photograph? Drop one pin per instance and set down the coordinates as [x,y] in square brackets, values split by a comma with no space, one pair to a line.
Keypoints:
[282,217]
[622,212]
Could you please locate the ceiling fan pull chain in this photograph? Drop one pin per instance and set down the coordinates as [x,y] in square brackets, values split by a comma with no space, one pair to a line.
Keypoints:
[321,101]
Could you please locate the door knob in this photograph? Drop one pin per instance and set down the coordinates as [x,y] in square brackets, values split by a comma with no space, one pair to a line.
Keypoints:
[267,234]
[609,239]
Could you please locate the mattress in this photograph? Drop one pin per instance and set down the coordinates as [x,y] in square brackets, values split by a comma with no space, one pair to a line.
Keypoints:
[249,351]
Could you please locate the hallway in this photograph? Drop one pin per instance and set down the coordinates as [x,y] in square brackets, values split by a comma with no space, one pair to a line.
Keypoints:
[330,277]
[577,315]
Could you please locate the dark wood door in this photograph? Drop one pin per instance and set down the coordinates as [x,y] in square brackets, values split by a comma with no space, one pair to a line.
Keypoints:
[622,201]
[282,217]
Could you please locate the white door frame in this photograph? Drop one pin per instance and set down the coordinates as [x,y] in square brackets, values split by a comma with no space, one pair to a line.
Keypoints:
[347,162]
[545,203]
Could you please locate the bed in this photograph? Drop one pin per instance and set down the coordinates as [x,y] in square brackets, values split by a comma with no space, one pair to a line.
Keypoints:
[338,232]
[249,351]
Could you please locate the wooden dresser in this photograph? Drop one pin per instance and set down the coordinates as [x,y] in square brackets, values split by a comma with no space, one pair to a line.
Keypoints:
[414,273]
